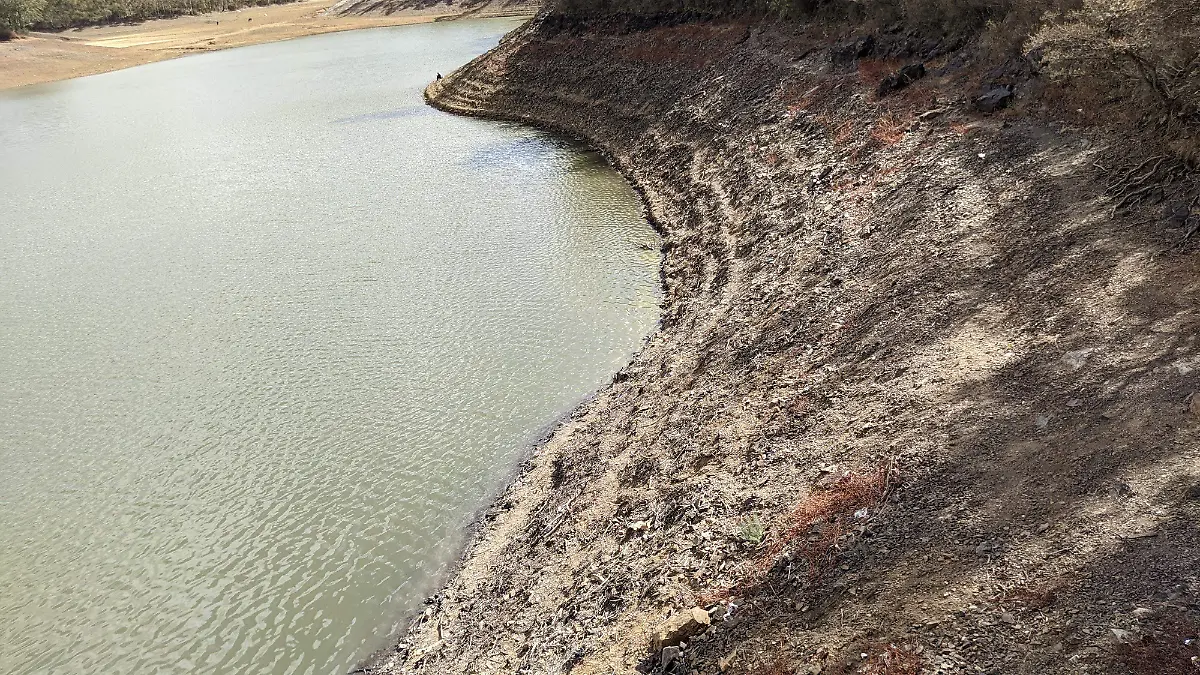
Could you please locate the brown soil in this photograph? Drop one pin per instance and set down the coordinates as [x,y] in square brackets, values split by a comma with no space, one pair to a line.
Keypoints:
[920,401]
[48,57]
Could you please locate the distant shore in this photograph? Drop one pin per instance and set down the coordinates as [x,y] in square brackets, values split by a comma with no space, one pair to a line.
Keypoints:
[50,57]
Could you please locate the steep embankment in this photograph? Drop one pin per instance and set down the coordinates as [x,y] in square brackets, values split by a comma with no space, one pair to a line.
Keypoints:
[919,395]
[463,8]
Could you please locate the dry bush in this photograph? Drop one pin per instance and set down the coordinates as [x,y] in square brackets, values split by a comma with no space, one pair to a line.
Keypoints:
[871,71]
[889,130]
[840,132]
[1143,54]
[1037,598]
[814,528]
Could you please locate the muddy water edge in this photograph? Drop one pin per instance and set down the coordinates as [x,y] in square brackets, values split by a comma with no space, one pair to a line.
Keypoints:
[271,329]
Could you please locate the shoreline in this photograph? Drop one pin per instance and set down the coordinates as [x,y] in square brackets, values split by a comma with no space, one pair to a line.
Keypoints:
[841,296]
[40,58]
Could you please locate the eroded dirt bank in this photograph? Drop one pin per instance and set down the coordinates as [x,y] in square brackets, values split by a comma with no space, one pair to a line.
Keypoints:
[920,401]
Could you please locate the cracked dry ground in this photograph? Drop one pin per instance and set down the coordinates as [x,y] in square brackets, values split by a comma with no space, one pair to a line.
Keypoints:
[848,287]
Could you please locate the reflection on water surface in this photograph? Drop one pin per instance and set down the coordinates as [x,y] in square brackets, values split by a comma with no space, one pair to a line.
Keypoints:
[270,331]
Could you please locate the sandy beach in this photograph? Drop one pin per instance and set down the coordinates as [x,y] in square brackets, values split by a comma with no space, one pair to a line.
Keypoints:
[49,57]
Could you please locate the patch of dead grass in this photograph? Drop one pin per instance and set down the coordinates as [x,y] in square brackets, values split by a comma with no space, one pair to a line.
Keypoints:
[894,659]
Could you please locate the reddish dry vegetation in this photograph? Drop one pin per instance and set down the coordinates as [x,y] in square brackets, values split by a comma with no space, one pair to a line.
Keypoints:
[816,530]
[894,659]
[813,530]
[1173,649]
[889,130]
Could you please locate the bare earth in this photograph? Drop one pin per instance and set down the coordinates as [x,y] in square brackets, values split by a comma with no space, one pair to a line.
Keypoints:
[925,397]
[49,57]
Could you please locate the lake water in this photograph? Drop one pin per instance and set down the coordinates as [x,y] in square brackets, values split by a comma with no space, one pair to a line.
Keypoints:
[271,331]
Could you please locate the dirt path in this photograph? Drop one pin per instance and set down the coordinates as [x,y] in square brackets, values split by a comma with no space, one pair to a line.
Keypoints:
[48,57]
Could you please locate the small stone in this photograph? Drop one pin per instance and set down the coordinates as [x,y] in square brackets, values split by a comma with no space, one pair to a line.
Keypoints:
[1121,636]
[668,657]
[680,628]
[987,547]
[1008,617]
[1194,403]
[1143,612]
[1043,527]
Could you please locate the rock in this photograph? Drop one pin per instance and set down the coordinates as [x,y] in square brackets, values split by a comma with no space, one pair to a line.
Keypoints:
[854,49]
[901,78]
[1008,617]
[680,628]
[1121,636]
[1043,527]
[994,100]
[668,657]
[988,547]
[1194,403]
[1078,358]
[1143,612]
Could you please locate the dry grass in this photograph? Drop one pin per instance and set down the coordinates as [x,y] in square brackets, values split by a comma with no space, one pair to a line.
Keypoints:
[893,659]
[1036,598]
[889,129]
[871,71]
[816,529]
[813,530]
[671,44]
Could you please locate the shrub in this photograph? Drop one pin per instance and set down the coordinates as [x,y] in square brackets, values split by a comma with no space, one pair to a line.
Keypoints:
[12,18]
[1145,53]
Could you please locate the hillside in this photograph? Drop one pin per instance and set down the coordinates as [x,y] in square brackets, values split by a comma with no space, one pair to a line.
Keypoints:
[924,396]
[467,8]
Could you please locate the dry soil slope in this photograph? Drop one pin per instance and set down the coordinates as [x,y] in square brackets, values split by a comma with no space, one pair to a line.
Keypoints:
[467,7]
[848,287]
